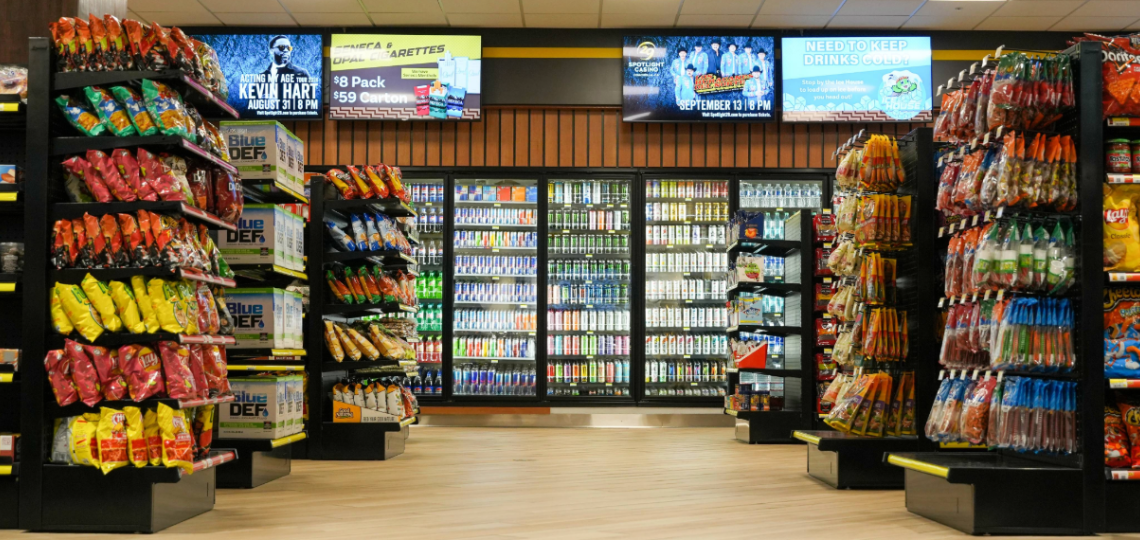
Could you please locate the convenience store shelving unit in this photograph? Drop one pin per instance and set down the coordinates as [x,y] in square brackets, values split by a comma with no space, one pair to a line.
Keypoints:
[56,497]
[13,125]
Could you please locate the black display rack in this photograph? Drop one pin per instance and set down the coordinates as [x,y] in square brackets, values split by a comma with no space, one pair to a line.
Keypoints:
[13,125]
[55,497]
[798,371]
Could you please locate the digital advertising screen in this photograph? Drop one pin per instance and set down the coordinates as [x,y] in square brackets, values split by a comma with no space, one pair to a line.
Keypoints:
[271,76]
[396,77]
[695,79]
[856,79]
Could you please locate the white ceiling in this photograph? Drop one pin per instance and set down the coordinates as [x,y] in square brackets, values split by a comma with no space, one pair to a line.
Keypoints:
[1019,15]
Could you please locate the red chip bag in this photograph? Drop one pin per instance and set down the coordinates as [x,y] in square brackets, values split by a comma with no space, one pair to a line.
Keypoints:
[1130,413]
[134,242]
[99,41]
[86,254]
[376,180]
[128,169]
[59,375]
[1116,453]
[83,169]
[83,58]
[147,231]
[158,175]
[83,373]
[200,186]
[228,197]
[96,242]
[197,368]
[109,173]
[143,371]
[113,237]
[214,368]
[63,248]
[107,367]
[207,314]
[176,366]
[117,43]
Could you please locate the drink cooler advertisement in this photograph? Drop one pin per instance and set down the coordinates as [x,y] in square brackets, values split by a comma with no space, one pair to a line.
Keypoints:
[729,83]
[856,79]
[292,91]
[405,77]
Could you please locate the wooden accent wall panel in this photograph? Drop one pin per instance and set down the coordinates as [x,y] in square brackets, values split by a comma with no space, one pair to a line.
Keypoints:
[576,137]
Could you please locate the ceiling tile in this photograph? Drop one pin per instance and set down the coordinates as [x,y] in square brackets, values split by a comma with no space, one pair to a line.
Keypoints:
[790,21]
[409,19]
[957,9]
[637,20]
[257,19]
[561,6]
[1091,24]
[887,22]
[1108,8]
[1037,8]
[321,6]
[926,22]
[497,20]
[800,7]
[480,6]
[402,6]
[169,18]
[647,8]
[1025,24]
[561,20]
[334,19]
[863,8]
[720,7]
[707,21]
[182,6]
[243,6]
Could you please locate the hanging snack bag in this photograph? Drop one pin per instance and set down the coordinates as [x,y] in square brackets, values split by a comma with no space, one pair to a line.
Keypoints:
[99,42]
[168,307]
[110,112]
[165,108]
[375,241]
[146,308]
[80,116]
[136,436]
[63,37]
[106,363]
[100,296]
[177,439]
[176,367]
[143,371]
[59,375]
[153,437]
[112,437]
[225,319]
[84,446]
[63,248]
[80,312]
[135,108]
[127,307]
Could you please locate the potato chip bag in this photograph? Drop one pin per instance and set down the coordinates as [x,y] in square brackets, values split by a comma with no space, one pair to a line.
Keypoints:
[179,169]
[376,181]
[1130,413]
[146,308]
[135,108]
[127,307]
[113,239]
[361,184]
[136,437]
[177,439]
[158,175]
[176,367]
[1116,451]
[80,311]
[59,319]
[189,300]
[197,369]
[112,436]
[59,375]
[163,105]
[83,444]
[203,431]
[215,370]
[106,363]
[343,183]
[110,112]
[153,437]
[129,171]
[228,195]
[83,373]
[109,173]
[80,116]
[100,295]
[1121,231]
[143,371]
[77,167]
[168,307]
[208,322]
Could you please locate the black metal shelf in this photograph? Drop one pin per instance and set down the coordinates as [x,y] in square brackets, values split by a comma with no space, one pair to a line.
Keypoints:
[387,307]
[765,246]
[760,329]
[209,104]
[76,275]
[390,206]
[76,210]
[65,146]
[53,410]
[383,257]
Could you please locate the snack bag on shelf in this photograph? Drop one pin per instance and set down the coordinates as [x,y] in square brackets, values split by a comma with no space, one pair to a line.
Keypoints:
[136,437]
[176,366]
[59,376]
[59,319]
[143,370]
[113,239]
[83,444]
[177,439]
[168,307]
[153,435]
[117,44]
[197,363]
[81,169]
[343,183]
[80,116]
[80,311]
[106,363]
[112,436]
[110,112]
[165,108]
[1121,231]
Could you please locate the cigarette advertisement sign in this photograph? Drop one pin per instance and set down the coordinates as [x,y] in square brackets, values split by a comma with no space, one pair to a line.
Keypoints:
[698,78]
[856,79]
[270,76]
[402,77]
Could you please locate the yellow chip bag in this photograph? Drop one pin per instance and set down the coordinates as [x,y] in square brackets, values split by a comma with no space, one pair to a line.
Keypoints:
[80,311]
[1121,230]
[59,319]
[190,300]
[83,444]
[112,435]
[100,296]
[177,439]
[153,438]
[136,437]
[127,307]
[138,285]
[168,307]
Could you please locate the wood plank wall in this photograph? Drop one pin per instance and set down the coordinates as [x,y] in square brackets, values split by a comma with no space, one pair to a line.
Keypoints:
[575,137]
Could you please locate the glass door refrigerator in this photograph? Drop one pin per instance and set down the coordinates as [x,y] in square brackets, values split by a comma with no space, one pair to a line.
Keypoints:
[494,320]
[782,195]
[686,348]
[429,196]
[588,289]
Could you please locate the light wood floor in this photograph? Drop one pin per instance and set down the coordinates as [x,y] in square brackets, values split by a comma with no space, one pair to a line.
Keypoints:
[580,484]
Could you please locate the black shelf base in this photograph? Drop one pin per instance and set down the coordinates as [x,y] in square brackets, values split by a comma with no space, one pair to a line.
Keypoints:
[849,462]
[994,494]
[9,502]
[361,442]
[82,499]
[772,427]
[256,468]
[1122,506]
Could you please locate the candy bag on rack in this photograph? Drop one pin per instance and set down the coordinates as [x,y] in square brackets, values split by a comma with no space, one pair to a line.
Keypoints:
[143,370]
[177,439]
[112,437]
[80,116]
[136,436]
[176,367]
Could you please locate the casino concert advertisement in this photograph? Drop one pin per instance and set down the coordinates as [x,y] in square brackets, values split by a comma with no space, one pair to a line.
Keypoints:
[271,76]
[404,77]
[693,79]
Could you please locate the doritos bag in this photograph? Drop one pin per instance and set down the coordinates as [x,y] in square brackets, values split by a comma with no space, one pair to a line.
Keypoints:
[177,439]
[112,435]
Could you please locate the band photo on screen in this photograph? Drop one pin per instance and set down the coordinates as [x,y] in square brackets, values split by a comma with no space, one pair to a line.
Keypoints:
[271,76]
[688,78]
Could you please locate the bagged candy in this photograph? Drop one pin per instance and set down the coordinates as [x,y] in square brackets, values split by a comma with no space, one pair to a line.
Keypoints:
[110,112]
[80,116]
[135,109]
[78,167]
[80,311]
[83,445]
[153,438]
[176,367]
[59,375]
[83,373]
[106,363]
[143,371]
[177,439]
[165,108]
[100,296]
[136,436]
[112,436]
[158,175]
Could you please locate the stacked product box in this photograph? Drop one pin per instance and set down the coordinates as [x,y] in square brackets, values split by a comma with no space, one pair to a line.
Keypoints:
[264,407]
[265,150]
[267,234]
[266,318]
